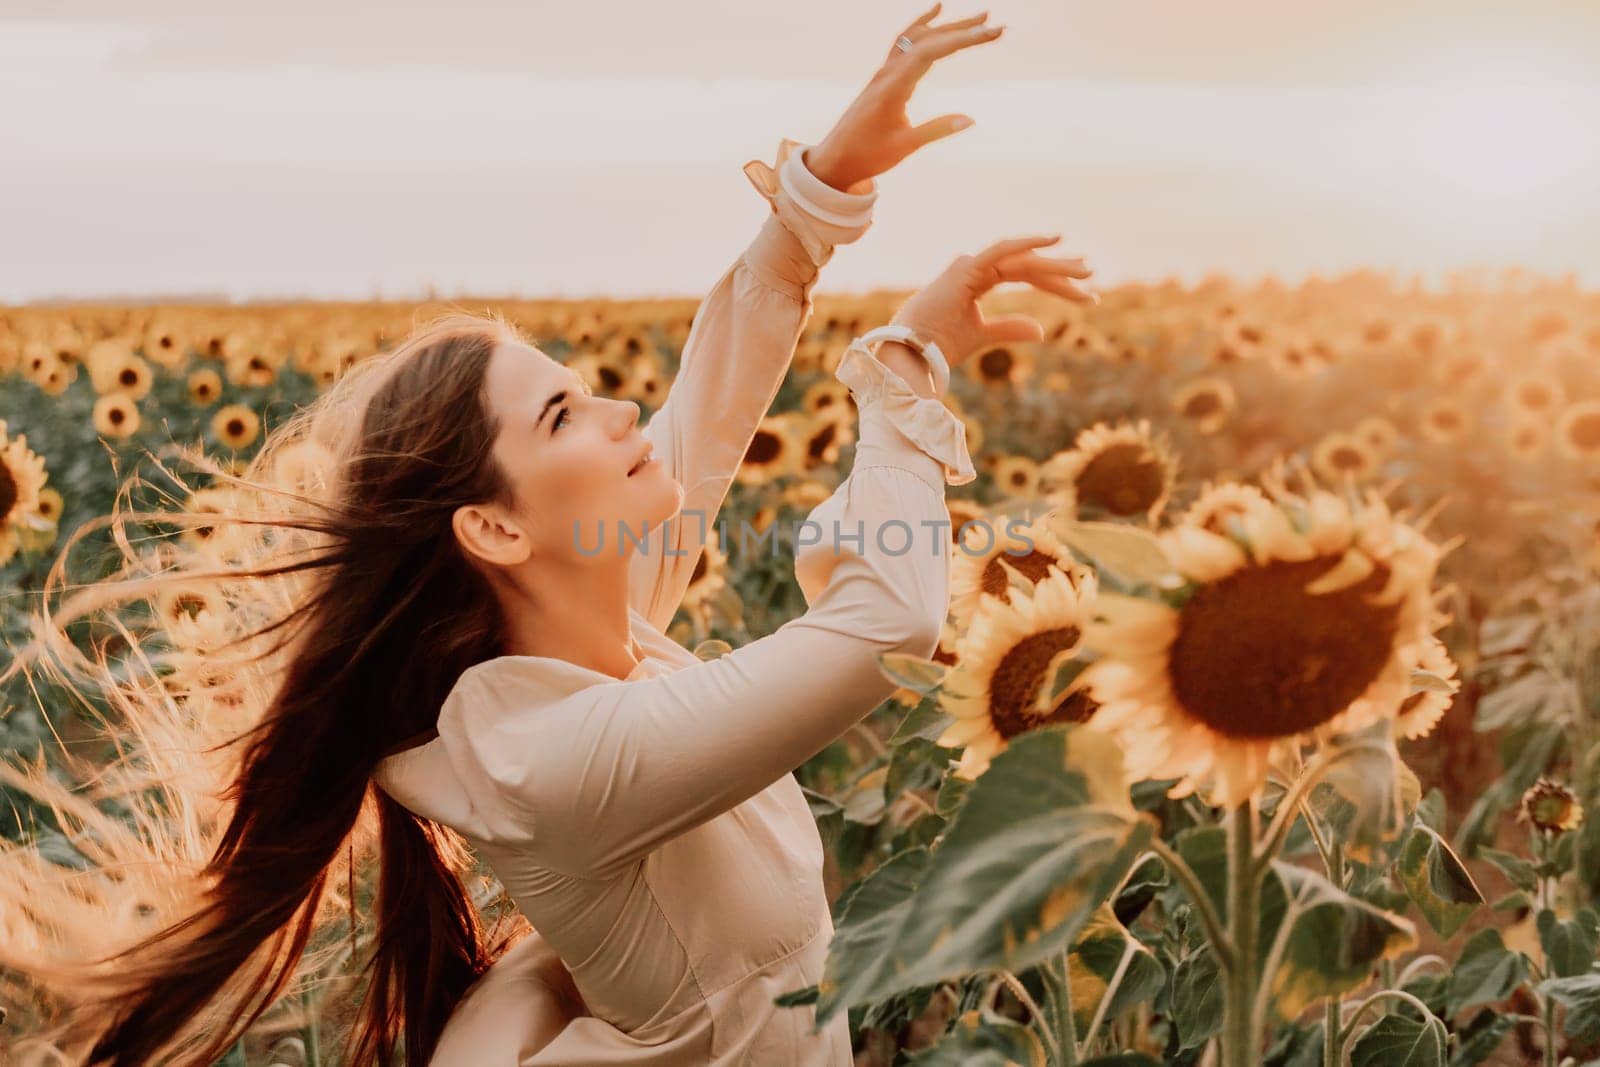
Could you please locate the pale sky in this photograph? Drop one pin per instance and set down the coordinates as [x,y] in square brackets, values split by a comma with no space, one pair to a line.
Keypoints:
[346,150]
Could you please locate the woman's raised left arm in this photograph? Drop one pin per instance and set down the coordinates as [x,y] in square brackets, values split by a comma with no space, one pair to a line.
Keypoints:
[736,356]
[744,333]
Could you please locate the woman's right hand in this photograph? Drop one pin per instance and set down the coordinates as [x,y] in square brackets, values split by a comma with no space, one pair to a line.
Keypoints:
[946,311]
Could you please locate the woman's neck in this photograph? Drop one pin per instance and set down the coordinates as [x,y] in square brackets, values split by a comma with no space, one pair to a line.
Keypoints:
[578,614]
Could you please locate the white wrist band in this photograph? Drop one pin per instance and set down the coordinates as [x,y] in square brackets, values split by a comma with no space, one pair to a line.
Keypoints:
[928,350]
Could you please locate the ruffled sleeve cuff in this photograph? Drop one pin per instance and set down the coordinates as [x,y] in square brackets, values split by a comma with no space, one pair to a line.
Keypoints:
[814,211]
[901,428]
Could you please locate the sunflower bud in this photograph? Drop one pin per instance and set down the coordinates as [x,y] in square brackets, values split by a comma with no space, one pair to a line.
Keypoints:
[1551,807]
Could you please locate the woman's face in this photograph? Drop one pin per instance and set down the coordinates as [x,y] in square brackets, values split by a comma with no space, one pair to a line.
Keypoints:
[568,455]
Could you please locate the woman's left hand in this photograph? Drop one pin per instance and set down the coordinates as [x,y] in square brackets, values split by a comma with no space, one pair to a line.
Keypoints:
[874,133]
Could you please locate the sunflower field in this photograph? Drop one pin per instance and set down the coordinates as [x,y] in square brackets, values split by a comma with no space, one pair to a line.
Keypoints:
[1272,736]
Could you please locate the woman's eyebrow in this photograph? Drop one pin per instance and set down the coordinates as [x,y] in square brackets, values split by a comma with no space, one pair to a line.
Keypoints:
[583,387]
[548,404]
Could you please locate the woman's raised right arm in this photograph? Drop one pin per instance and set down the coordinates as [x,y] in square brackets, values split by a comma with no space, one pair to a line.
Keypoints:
[616,770]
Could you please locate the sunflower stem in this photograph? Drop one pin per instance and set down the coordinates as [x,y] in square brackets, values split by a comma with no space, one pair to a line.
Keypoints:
[1068,1037]
[1333,1010]
[1241,1039]
[1216,933]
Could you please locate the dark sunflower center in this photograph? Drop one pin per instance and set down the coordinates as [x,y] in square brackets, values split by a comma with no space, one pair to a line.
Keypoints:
[1034,566]
[996,364]
[609,377]
[1124,480]
[1202,404]
[9,492]
[129,376]
[1585,432]
[1258,657]
[1345,458]
[817,447]
[1533,395]
[1017,679]
[764,447]
[188,604]
[1447,419]
[235,427]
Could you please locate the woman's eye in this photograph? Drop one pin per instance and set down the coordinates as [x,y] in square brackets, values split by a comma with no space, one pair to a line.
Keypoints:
[560,417]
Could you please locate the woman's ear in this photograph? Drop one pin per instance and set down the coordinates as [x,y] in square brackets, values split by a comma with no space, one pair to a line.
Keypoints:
[489,533]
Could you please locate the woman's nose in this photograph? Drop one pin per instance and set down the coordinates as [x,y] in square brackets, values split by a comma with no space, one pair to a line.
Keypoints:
[626,416]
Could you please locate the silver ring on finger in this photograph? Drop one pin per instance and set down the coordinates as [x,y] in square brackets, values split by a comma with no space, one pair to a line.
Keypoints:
[904,43]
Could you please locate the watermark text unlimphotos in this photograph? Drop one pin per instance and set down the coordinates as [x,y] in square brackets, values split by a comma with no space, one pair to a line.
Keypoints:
[892,537]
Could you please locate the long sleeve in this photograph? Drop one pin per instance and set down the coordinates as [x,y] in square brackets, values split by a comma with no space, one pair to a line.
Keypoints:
[607,774]
[735,358]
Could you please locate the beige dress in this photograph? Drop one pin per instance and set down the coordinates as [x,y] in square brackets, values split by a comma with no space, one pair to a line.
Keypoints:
[651,828]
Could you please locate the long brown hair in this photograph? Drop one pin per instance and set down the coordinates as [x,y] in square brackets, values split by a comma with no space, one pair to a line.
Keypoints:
[338,537]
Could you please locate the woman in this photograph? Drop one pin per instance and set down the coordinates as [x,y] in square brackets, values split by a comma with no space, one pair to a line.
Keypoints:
[466,648]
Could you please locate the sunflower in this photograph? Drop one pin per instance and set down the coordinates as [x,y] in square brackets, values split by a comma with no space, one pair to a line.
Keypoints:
[22,477]
[1017,476]
[1536,393]
[305,466]
[1295,357]
[113,368]
[1525,438]
[50,505]
[1208,402]
[774,451]
[1421,710]
[1444,421]
[252,367]
[205,387]
[1460,369]
[223,539]
[1238,340]
[1008,654]
[1551,807]
[236,426]
[1122,471]
[164,343]
[990,551]
[1377,433]
[823,436]
[116,415]
[1340,455]
[1299,622]
[709,578]
[1001,366]
[963,512]
[827,396]
[1578,431]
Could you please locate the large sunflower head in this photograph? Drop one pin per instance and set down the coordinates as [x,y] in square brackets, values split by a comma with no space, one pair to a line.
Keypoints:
[1012,649]
[1302,618]
[996,556]
[1122,471]
[1433,689]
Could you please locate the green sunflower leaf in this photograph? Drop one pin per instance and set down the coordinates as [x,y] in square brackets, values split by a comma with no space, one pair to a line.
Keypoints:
[1041,840]
[1437,881]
